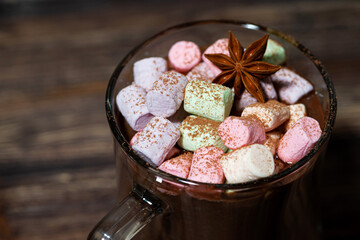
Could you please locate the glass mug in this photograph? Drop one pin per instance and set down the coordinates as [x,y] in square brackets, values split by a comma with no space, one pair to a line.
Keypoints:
[164,206]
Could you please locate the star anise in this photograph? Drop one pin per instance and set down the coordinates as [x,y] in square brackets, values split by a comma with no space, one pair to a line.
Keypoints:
[243,67]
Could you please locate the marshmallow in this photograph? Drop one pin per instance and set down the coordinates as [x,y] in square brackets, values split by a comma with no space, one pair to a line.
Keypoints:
[134,138]
[237,132]
[206,167]
[148,70]
[298,140]
[166,95]
[290,86]
[272,113]
[272,140]
[184,55]
[208,100]
[268,88]
[178,166]
[197,132]
[201,72]
[246,98]
[131,103]
[247,163]
[297,111]
[173,152]
[156,140]
[220,46]
[274,53]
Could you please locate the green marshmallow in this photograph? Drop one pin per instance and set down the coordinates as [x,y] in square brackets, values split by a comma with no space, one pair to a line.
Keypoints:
[197,132]
[274,53]
[209,100]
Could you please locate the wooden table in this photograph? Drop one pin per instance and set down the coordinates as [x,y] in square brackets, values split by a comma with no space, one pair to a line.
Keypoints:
[56,155]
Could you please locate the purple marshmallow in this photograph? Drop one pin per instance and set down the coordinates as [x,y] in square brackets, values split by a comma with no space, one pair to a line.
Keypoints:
[167,94]
[131,103]
[156,140]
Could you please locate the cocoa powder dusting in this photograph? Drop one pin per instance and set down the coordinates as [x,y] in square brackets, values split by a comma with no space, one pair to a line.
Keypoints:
[198,126]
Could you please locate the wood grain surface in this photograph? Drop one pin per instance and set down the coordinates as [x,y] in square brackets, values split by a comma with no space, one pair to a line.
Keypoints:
[57,175]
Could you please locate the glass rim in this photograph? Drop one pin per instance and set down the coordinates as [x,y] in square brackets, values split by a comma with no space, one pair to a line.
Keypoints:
[111,116]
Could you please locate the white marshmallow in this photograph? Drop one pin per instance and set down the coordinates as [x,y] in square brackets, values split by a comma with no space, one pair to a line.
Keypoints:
[146,71]
[167,94]
[272,141]
[247,164]
[131,103]
[272,113]
[297,111]
[220,46]
[290,86]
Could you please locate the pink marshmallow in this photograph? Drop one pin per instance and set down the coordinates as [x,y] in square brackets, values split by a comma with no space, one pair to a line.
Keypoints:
[237,132]
[184,55]
[173,152]
[201,72]
[220,46]
[298,140]
[156,140]
[206,166]
[131,103]
[133,139]
[178,166]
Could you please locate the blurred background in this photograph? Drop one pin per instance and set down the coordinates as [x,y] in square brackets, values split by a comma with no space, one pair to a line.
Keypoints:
[57,175]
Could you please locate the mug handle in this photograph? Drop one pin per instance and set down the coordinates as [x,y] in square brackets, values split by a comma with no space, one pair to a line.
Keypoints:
[129,216]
